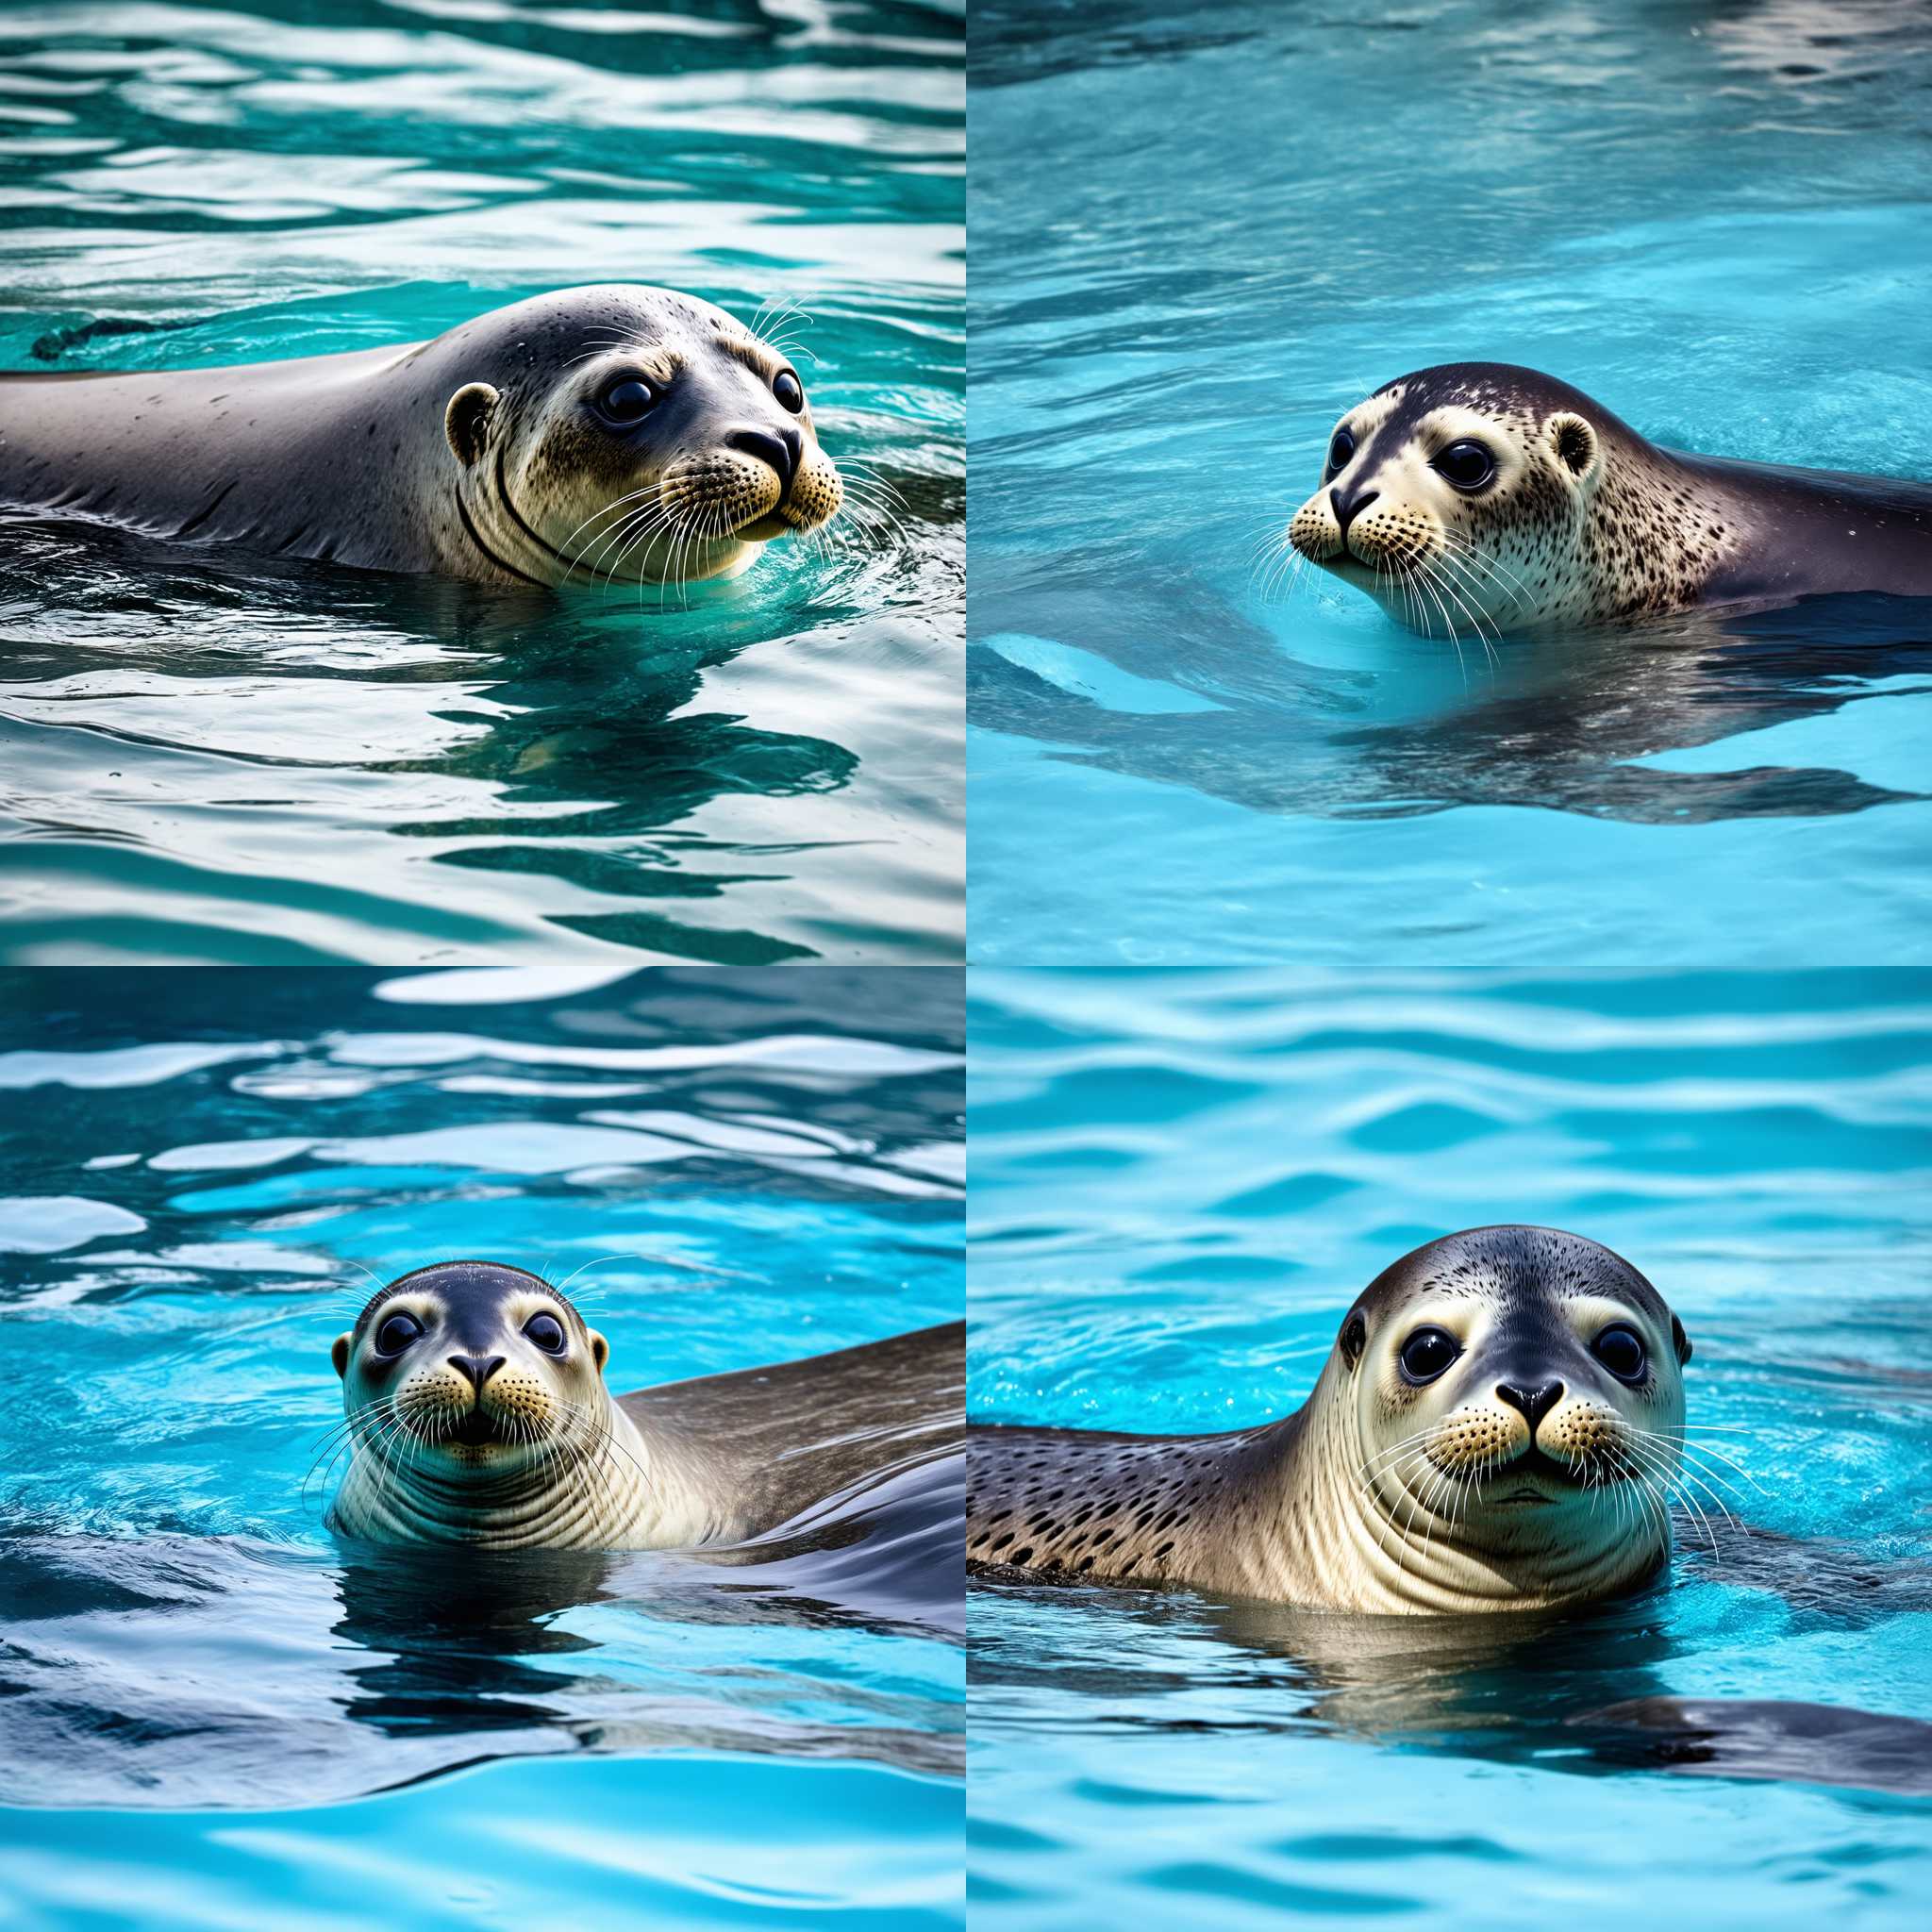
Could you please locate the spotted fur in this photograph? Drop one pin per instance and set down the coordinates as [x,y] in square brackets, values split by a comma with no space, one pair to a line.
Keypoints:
[1584,521]
[1378,1494]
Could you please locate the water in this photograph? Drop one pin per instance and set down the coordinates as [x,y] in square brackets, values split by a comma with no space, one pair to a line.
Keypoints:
[745,1168]
[210,758]
[1179,1184]
[1200,234]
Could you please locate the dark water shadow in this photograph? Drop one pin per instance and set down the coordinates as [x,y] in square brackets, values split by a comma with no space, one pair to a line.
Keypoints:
[1013,42]
[578,715]
[184,1671]
[1555,723]
[1577,1691]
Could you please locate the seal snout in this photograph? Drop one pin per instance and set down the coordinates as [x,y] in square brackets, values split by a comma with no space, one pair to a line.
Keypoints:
[783,449]
[1534,1403]
[1348,509]
[474,1370]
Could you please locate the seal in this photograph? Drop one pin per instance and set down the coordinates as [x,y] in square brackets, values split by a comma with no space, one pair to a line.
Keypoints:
[595,433]
[1498,1426]
[476,1411]
[1489,498]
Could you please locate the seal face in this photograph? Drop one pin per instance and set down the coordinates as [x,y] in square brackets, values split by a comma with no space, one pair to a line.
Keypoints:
[1498,1426]
[1480,497]
[666,442]
[474,1397]
[612,431]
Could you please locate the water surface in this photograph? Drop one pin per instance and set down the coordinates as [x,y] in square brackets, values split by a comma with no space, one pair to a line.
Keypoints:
[1199,235]
[209,756]
[1180,1183]
[193,1201]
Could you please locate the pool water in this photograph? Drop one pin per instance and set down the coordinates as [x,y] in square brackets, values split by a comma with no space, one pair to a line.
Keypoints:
[216,1708]
[209,757]
[1180,1182]
[1199,235]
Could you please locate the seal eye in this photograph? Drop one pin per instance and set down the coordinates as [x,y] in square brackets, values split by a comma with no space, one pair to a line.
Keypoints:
[626,401]
[1621,1350]
[546,1331]
[1426,1353]
[1340,452]
[785,387]
[1468,465]
[396,1333]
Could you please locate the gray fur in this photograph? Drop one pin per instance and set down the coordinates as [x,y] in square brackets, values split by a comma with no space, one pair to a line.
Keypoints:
[351,457]
[1284,1512]
[768,1442]
[1590,523]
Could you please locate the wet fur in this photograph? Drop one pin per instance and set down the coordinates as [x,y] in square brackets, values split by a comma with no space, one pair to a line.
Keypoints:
[1613,533]
[1280,1511]
[562,1463]
[353,458]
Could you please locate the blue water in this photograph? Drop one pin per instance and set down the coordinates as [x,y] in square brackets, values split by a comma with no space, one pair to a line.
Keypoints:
[218,1713]
[1199,233]
[211,757]
[1180,1181]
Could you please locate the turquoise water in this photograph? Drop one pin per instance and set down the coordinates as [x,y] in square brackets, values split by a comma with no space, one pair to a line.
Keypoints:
[210,758]
[216,1709]
[1199,233]
[1179,1184]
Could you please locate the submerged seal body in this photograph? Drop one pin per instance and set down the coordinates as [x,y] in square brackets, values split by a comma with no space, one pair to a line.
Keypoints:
[600,432]
[1479,497]
[476,1406]
[1496,1427]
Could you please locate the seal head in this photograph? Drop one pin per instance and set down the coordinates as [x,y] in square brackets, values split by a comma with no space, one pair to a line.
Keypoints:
[480,1364]
[1517,1400]
[474,1395]
[631,432]
[1462,496]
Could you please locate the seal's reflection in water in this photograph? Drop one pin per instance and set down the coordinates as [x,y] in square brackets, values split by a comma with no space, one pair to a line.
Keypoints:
[1552,721]
[198,1671]
[1587,1693]
[192,711]
[464,1644]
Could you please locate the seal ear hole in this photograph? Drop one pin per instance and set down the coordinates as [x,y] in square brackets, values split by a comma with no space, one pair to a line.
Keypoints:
[1574,443]
[1354,1337]
[1680,1340]
[340,1354]
[467,420]
[600,1349]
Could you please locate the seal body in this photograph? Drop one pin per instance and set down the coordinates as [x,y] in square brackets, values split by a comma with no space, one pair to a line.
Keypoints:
[1479,497]
[477,1413]
[1498,1426]
[599,432]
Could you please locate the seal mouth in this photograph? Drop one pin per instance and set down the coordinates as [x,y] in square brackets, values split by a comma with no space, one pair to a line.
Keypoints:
[1517,1481]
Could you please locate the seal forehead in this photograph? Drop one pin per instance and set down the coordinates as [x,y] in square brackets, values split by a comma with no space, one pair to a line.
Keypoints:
[473,1291]
[1511,1268]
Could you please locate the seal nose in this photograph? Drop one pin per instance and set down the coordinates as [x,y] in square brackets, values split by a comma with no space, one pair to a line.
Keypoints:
[1534,1403]
[781,448]
[475,1368]
[1345,513]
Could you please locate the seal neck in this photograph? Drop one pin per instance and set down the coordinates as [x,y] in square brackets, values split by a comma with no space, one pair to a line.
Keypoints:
[1351,1535]
[594,1486]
